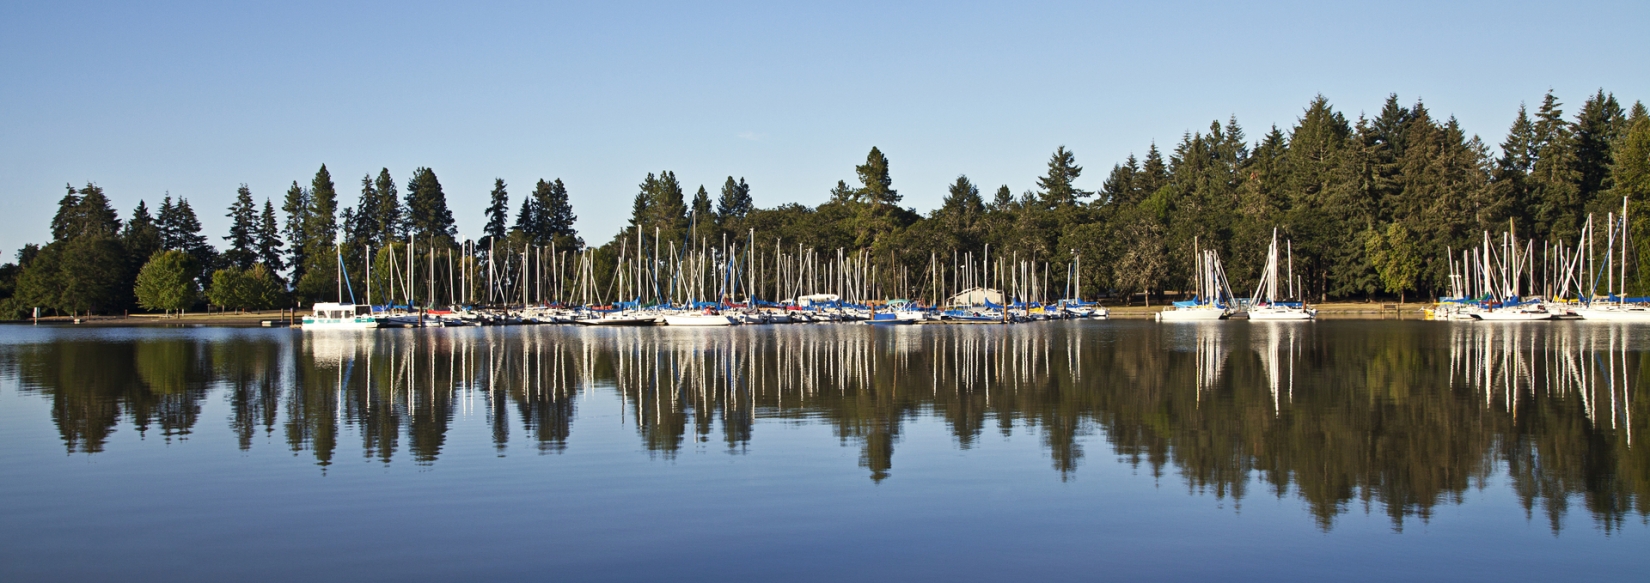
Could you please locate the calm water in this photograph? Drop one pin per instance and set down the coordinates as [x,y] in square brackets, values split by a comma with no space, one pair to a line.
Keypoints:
[1347,450]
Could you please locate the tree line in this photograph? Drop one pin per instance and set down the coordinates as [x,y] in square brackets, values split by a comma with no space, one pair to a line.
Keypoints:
[1370,204]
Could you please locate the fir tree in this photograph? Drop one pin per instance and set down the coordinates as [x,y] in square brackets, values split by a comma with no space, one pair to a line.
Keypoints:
[243,230]
[387,219]
[1598,127]
[269,240]
[735,201]
[876,184]
[362,227]
[498,211]
[559,217]
[1556,198]
[1057,186]
[296,207]
[528,218]
[1122,185]
[320,277]
[140,237]
[427,213]
[1003,199]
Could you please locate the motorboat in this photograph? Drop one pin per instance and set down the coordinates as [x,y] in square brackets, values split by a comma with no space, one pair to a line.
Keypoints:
[336,316]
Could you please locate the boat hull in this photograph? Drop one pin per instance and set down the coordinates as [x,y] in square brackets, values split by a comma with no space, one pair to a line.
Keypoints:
[1498,316]
[1191,315]
[699,320]
[1613,315]
[1282,315]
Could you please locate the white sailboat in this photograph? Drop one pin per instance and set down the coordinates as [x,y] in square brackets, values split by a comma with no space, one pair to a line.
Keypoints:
[1211,289]
[1619,310]
[1264,304]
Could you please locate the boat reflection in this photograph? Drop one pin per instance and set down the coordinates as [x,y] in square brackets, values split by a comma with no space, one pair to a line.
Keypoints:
[1396,416]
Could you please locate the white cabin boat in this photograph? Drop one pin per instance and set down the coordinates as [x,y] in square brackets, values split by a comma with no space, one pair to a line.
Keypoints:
[336,316]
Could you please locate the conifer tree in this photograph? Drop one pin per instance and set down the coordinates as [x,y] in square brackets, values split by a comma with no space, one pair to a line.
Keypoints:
[1122,185]
[1598,127]
[269,240]
[559,217]
[1154,173]
[1630,168]
[362,227]
[1057,186]
[427,213]
[1003,199]
[243,230]
[498,211]
[140,237]
[876,184]
[735,201]
[319,279]
[704,213]
[296,206]
[842,193]
[528,219]
[1553,177]
[387,220]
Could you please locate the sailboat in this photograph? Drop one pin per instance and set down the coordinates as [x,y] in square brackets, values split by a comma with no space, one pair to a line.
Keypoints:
[1264,304]
[1616,306]
[1212,288]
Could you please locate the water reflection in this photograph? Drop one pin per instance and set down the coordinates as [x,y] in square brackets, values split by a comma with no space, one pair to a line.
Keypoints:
[1396,417]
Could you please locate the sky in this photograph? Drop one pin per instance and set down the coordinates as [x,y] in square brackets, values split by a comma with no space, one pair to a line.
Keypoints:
[192,100]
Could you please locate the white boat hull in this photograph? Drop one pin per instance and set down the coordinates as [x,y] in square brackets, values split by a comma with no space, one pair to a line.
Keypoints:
[1511,316]
[699,320]
[1282,314]
[1191,315]
[1614,314]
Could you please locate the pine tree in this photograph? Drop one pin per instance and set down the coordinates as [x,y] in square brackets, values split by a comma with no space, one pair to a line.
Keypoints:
[528,218]
[1057,188]
[735,201]
[427,213]
[243,230]
[387,220]
[842,193]
[704,212]
[498,211]
[319,279]
[559,217]
[1121,186]
[876,184]
[140,238]
[269,240]
[68,208]
[362,227]
[1630,168]
[1154,174]
[1598,127]
[1554,189]
[1003,199]
[296,207]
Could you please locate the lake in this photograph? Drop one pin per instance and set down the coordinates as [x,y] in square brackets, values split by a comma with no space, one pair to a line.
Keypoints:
[1123,450]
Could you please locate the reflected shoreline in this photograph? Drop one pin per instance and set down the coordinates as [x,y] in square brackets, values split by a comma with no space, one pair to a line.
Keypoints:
[1399,416]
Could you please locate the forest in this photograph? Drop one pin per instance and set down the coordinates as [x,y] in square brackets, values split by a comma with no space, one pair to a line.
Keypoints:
[1372,207]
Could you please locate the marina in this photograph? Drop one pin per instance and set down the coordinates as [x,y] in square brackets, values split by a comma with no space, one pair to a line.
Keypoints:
[1403,437]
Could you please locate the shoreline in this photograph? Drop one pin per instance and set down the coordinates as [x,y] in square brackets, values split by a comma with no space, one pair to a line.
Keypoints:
[1330,311]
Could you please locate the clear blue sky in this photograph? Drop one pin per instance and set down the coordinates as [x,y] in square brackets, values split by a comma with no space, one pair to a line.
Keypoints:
[149,98]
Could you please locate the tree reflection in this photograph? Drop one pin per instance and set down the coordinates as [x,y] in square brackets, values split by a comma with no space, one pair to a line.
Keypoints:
[1402,417]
